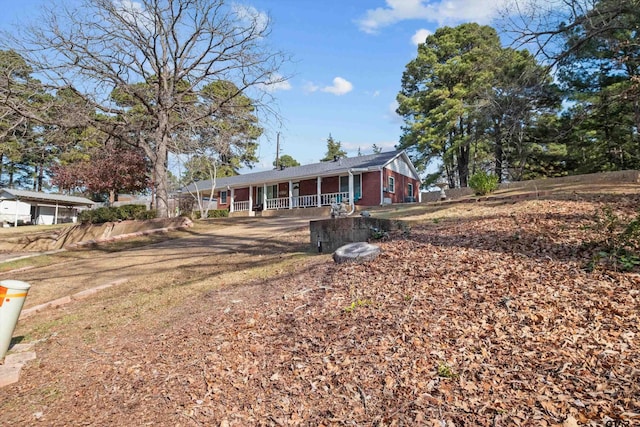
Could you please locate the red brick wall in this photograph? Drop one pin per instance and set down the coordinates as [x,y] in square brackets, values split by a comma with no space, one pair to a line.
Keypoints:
[241,194]
[370,189]
[330,184]
[401,187]
[220,204]
[308,187]
[283,189]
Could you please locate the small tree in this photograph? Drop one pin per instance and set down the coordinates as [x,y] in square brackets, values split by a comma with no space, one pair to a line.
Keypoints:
[111,168]
[334,150]
[286,161]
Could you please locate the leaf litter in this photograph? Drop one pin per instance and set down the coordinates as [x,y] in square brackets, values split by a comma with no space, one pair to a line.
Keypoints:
[488,320]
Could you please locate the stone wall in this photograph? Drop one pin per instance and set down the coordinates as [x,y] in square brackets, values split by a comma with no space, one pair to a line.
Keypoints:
[628,176]
[327,235]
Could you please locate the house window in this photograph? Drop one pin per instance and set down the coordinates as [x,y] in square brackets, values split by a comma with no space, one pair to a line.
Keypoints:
[410,190]
[357,185]
[392,185]
[272,191]
[223,197]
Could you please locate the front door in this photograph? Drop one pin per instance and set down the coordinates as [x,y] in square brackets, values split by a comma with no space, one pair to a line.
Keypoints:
[295,193]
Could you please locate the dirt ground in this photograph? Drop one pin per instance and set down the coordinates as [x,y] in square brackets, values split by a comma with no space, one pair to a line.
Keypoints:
[489,314]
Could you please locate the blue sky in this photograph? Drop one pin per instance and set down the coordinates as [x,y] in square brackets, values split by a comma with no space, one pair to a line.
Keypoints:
[348,58]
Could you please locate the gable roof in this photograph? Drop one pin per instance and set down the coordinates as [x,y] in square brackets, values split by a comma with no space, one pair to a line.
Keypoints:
[369,162]
[13,194]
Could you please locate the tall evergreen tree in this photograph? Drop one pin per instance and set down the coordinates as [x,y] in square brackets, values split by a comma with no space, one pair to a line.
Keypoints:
[334,150]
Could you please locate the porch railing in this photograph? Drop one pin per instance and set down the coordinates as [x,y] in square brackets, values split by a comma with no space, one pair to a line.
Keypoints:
[329,198]
[279,203]
[241,206]
[308,201]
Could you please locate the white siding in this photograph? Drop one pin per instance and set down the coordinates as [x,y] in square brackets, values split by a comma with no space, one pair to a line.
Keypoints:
[400,166]
[8,211]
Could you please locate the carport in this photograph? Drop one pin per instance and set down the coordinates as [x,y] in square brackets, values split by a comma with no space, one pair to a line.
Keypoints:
[23,206]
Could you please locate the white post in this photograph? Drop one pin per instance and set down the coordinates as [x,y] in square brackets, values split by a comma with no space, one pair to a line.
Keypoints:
[15,222]
[351,192]
[233,194]
[290,194]
[319,189]
[55,217]
[264,197]
[250,199]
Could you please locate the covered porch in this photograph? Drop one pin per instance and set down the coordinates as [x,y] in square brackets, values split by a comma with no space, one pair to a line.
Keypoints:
[309,193]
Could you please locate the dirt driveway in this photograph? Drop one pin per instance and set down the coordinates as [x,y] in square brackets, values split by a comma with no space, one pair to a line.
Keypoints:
[78,271]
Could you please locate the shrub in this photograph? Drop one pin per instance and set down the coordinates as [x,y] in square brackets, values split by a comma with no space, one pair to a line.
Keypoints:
[132,211]
[111,214]
[146,214]
[218,213]
[618,238]
[483,183]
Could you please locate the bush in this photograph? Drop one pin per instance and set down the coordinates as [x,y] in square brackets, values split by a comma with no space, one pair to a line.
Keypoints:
[132,211]
[218,213]
[212,213]
[120,213]
[483,183]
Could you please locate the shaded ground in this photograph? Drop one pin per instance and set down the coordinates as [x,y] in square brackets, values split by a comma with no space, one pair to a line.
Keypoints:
[489,315]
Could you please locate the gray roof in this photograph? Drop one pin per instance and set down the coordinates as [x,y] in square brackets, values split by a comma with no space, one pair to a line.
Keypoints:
[330,168]
[44,197]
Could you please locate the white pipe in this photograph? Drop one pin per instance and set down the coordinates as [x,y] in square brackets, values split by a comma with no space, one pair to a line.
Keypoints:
[351,195]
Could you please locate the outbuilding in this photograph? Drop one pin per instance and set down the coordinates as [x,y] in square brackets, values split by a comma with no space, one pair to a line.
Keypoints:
[33,207]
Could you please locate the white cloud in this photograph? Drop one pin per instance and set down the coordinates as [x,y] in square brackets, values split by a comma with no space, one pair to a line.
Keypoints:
[442,12]
[420,36]
[391,115]
[310,87]
[251,15]
[340,87]
[134,13]
[275,83]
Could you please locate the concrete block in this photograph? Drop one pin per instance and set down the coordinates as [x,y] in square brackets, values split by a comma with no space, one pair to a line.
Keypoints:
[9,374]
[19,359]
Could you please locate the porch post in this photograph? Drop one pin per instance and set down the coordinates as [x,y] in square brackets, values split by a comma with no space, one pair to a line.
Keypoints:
[55,217]
[233,194]
[319,188]
[250,198]
[264,196]
[352,202]
[15,223]
[290,195]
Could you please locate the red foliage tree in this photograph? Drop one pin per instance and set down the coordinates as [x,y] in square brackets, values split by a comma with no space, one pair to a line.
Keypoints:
[111,168]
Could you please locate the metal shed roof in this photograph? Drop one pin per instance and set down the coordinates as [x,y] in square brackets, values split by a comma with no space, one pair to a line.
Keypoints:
[13,194]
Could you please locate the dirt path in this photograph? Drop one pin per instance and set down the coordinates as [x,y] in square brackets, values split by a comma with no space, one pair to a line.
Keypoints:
[89,269]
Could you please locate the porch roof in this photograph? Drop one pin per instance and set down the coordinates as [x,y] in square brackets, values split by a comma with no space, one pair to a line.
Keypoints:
[36,196]
[369,162]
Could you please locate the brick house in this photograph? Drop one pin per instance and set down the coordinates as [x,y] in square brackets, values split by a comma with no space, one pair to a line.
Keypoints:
[376,179]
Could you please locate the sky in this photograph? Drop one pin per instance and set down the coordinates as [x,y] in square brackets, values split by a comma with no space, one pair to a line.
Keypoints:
[348,57]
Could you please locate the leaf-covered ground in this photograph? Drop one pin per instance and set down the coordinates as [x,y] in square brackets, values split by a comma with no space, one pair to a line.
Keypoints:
[497,319]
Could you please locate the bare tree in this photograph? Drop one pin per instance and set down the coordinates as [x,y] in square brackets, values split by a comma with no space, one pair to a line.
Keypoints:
[140,65]
[545,26]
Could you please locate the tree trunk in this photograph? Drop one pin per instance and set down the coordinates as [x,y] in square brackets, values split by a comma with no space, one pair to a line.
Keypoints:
[499,151]
[160,178]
